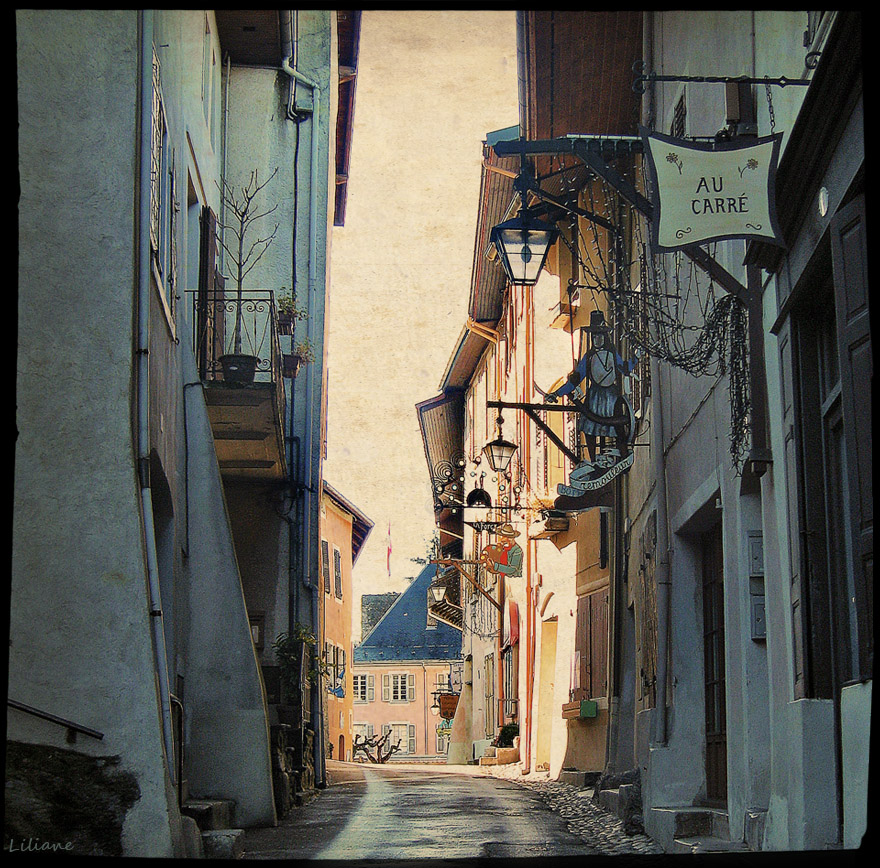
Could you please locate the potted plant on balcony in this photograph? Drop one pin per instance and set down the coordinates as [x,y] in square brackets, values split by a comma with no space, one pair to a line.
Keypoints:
[244,252]
[300,354]
[288,313]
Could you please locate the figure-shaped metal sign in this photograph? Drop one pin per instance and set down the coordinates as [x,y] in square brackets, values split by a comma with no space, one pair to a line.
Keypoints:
[605,416]
[504,557]
[709,192]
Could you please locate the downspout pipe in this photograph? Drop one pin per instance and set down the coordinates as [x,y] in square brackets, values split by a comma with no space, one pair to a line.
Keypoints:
[143,382]
[311,490]
[661,569]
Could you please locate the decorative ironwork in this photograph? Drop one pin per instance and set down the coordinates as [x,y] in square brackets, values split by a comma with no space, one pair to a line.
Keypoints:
[214,315]
[684,308]
[642,78]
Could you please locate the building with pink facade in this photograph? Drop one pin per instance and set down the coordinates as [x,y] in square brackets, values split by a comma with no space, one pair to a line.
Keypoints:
[399,670]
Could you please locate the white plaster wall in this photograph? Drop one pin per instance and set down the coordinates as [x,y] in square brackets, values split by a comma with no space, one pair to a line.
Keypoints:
[855,709]
[227,729]
[80,643]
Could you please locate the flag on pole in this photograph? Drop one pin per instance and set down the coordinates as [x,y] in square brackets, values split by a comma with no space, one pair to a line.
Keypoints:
[389,549]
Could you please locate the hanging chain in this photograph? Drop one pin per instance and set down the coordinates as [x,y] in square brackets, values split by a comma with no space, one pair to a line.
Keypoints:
[770,106]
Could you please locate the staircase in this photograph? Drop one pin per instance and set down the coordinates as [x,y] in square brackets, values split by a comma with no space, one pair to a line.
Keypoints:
[213,818]
[694,829]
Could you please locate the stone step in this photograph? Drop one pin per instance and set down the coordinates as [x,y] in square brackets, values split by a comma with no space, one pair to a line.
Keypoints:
[488,761]
[720,825]
[707,844]
[209,813]
[578,778]
[609,800]
[223,843]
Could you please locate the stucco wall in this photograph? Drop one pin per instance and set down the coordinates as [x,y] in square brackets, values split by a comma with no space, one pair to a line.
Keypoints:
[80,643]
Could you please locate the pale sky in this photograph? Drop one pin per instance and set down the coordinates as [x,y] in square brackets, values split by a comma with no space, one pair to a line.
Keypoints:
[431,85]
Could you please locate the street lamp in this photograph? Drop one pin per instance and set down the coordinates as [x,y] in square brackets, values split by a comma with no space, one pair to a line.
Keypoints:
[499,451]
[522,244]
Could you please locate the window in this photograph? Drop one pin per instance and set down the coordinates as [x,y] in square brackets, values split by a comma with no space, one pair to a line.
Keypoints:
[364,690]
[510,669]
[337,571]
[362,730]
[489,695]
[162,197]
[403,735]
[442,741]
[398,687]
[679,118]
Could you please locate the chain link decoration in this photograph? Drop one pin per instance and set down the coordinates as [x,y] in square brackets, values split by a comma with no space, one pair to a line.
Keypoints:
[675,312]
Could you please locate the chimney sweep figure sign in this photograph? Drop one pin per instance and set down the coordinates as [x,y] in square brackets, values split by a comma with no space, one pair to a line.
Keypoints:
[711,191]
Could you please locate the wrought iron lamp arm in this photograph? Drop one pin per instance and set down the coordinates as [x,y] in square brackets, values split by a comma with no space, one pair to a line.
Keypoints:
[451,562]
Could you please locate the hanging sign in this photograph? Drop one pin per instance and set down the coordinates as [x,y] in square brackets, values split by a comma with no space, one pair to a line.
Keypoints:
[448,703]
[711,192]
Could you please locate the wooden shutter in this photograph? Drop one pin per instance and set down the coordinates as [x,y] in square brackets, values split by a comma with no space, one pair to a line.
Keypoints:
[325,564]
[582,650]
[599,644]
[371,690]
[849,262]
[337,571]
[386,688]
[792,484]
[412,738]
[410,687]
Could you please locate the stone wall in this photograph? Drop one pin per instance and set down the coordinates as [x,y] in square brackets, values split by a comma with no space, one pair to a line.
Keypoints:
[293,766]
[62,798]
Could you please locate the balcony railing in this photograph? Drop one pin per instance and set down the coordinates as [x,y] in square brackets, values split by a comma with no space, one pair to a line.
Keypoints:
[225,327]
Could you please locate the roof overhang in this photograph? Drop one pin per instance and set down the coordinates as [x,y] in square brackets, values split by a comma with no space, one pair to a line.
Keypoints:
[360,524]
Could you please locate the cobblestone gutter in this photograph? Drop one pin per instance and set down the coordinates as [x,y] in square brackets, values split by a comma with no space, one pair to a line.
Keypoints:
[592,824]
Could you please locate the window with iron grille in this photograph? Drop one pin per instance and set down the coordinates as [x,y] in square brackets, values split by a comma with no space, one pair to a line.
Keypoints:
[679,117]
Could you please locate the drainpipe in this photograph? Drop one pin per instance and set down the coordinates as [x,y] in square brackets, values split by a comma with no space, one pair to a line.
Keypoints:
[143,380]
[288,67]
[661,570]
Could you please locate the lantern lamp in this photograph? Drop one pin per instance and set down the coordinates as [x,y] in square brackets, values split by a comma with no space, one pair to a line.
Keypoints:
[523,244]
[499,451]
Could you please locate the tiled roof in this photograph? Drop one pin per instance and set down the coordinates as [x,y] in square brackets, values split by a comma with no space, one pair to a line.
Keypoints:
[402,633]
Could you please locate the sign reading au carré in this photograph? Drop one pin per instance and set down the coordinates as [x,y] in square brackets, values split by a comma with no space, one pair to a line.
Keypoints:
[712,191]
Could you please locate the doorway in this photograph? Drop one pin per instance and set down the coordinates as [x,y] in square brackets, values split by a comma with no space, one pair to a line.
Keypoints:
[546,692]
[713,667]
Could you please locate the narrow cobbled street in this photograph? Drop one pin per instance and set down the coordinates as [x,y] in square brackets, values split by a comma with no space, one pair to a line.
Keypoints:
[405,812]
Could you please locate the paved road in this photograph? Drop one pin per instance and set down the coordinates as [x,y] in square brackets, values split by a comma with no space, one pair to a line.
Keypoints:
[417,812]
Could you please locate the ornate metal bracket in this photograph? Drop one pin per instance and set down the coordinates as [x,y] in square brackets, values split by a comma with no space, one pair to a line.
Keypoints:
[642,78]
[453,562]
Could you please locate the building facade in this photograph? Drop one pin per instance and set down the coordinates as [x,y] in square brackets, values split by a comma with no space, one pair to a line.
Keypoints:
[399,668]
[534,639]
[344,530]
[130,162]
[740,537]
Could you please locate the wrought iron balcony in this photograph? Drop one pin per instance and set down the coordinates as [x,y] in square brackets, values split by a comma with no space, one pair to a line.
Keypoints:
[239,355]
